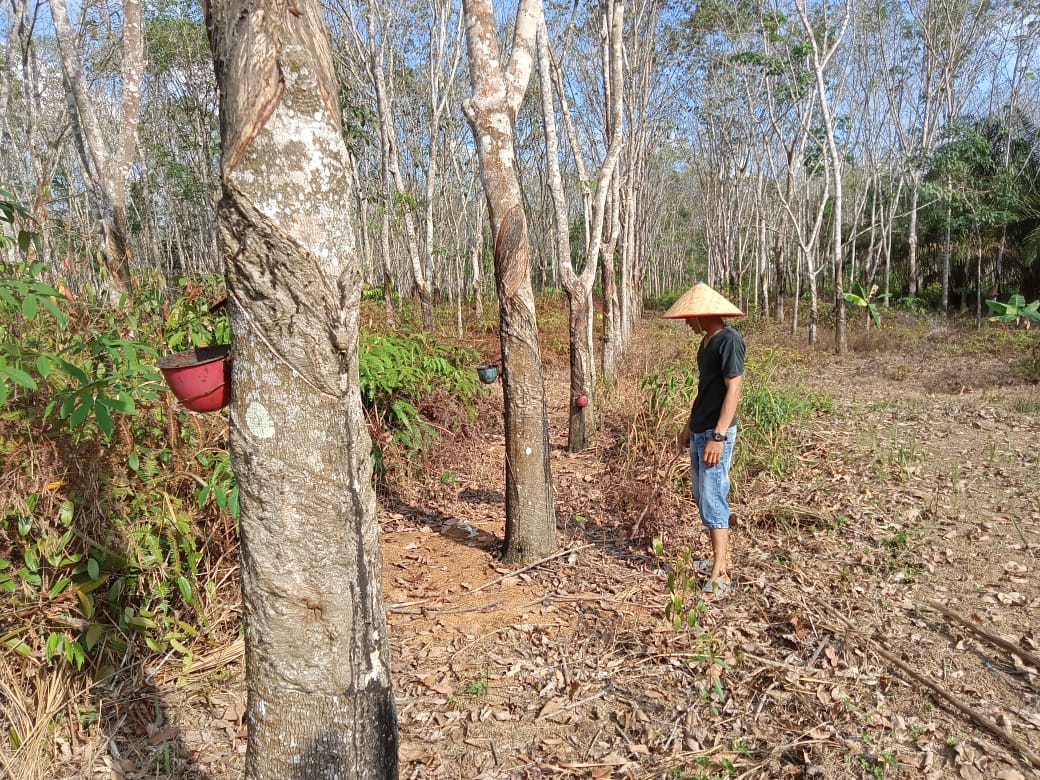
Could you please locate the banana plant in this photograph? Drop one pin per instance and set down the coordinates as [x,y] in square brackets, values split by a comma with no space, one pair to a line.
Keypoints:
[865,299]
[1016,310]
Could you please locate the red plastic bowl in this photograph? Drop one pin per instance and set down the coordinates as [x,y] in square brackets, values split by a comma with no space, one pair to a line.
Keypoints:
[200,377]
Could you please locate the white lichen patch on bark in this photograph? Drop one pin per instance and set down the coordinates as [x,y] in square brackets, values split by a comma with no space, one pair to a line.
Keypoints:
[258,421]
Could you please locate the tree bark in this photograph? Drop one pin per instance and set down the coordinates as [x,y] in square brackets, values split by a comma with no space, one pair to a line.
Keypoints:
[320,704]
[491,111]
[109,167]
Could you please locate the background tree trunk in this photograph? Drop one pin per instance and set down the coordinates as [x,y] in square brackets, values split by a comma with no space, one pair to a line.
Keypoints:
[491,111]
[108,167]
[320,704]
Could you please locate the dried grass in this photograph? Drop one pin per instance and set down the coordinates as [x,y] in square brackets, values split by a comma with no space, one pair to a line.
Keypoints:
[29,704]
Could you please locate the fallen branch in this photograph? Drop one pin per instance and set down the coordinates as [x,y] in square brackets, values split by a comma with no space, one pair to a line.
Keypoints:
[1025,752]
[1000,641]
[531,566]
[404,610]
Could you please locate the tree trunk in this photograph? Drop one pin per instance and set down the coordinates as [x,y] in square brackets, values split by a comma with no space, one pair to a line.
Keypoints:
[320,704]
[491,111]
[582,420]
[109,167]
[913,288]
[397,194]
[820,58]
[947,251]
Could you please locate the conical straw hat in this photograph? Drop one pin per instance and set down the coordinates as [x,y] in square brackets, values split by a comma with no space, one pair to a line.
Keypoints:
[702,301]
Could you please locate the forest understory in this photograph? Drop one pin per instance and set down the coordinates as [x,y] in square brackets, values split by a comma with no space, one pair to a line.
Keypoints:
[884,622]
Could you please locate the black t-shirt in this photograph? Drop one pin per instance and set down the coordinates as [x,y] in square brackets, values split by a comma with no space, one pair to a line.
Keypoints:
[721,358]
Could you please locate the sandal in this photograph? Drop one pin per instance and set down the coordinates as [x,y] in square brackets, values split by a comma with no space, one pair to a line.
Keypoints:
[703,567]
[716,590]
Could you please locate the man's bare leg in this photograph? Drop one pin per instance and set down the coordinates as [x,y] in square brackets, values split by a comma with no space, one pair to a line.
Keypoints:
[720,553]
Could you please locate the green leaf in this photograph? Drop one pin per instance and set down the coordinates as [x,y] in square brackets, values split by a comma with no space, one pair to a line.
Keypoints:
[19,377]
[80,413]
[93,634]
[16,644]
[874,314]
[93,568]
[66,512]
[121,402]
[184,587]
[29,307]
[59,316]
[104,420]
[73,371]
[55,642]
[27,237]
[44,365]
[74,654]
[86,603]
[155,646]
[58,587]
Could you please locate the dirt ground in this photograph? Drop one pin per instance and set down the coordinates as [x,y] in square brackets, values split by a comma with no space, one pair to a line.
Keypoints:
[885,623]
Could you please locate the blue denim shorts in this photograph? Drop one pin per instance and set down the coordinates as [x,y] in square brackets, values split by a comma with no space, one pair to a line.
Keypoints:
[711,484]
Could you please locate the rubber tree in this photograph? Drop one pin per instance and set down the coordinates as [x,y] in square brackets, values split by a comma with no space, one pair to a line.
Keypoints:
[579,286]
[107,158]
[320,704]
[491,110]
[822,51]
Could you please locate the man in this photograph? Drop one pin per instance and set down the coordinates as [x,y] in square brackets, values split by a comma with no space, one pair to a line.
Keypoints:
[711,430]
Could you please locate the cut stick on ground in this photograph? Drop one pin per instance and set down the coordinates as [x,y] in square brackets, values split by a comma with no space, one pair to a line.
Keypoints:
[530,566]
[442,611]
[1025,752]
[999,641]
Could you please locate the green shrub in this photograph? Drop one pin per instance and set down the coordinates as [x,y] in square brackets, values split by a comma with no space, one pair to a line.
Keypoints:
[662,301]
[397,372]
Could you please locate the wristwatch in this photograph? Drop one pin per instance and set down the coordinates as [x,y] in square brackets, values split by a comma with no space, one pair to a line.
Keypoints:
[716,436]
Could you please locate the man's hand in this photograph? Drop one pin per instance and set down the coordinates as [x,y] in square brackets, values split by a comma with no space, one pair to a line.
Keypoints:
[683,439]
[712,452]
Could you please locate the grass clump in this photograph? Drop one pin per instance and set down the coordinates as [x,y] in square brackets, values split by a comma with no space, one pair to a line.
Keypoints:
[769,412]
[1029,406]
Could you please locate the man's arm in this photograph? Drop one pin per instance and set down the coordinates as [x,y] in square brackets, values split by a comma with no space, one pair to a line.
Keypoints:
[729,403]
[713,449]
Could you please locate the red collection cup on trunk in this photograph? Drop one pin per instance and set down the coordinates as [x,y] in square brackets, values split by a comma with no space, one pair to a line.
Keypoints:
[199,377]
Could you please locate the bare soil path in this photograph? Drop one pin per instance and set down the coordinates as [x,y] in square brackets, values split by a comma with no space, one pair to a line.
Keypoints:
[921,486]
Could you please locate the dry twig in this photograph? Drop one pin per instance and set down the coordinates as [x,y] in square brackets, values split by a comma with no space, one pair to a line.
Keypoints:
[974,715]
[530,566]
[1000,641]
